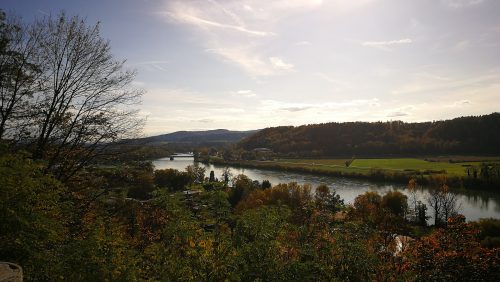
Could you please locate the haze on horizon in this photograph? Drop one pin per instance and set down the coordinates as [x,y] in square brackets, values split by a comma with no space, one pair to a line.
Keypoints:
[253,64]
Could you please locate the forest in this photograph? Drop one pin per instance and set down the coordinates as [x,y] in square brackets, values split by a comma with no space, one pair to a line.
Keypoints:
[73,210]
[464,135]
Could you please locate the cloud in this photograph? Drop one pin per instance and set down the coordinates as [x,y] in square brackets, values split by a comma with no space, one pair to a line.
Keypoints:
[239,32]
[387,43]
[402,111]
[246,93]
[203,120]
[462,45]
[461,3]
[245,58]
[397,114]
[435,83]
[191,19]
[153,65]
[460,104]
[279,64]
[303,43]
[296,109]
[273,105]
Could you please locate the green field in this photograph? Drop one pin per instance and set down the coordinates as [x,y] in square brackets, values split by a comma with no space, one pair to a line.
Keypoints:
[367,165]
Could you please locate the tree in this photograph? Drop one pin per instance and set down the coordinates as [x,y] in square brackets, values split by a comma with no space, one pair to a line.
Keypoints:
[434,201]
[171,178]
[266,184]
[367,205]
[18,73]
[34,212]
[226,174]
[83,96]
[442,202]
[325,199]
[395,202]
[196,173]
[453,254]
[242,187]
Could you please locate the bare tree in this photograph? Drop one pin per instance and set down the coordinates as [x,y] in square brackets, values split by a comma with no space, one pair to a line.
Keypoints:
[84,96]
[18,72]
[434,201]
[448,203]
[444,203]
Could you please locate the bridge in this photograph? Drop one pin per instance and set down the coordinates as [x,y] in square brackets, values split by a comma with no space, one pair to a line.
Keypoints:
[181,155]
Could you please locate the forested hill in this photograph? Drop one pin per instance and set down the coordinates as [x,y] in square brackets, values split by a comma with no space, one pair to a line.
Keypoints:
[198,137]
[464,135]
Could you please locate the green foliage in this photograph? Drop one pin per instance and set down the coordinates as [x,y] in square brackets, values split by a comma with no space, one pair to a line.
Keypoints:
[257,241]
[171,179]
[196,173]
[489,232]
[325,199]
[396,202]
[242,187]
[102,253]
[33,213]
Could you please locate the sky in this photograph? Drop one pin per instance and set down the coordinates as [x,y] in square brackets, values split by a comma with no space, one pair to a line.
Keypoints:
[253,64]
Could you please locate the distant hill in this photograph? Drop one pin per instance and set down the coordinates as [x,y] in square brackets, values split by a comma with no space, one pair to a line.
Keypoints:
[207,137]
[464,135]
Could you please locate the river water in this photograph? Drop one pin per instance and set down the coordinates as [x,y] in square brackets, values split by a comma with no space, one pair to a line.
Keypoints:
[472,204]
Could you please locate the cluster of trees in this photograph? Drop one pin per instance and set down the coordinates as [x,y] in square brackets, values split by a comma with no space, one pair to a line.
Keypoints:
[240,231]
[464,135]
[63,96]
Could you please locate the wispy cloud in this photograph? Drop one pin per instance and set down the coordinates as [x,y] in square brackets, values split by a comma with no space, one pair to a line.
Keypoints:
[296,107]
[245,58]
[154,65]
[191,19]
[386,44]
[397,114]
[461,3]
[460,104]
[246,93]
[279,64]
[303,43]
[434,83]
[203,120]
[237,32]
[403,111]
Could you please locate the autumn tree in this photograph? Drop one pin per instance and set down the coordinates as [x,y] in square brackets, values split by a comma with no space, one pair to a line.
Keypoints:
[326,199]
[18,72]
[83,98]
[453,254]
[443,203]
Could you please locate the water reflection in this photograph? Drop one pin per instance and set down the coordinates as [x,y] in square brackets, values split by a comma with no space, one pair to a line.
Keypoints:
[473,204]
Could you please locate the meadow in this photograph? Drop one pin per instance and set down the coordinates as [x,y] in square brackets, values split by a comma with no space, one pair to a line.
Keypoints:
[452,166]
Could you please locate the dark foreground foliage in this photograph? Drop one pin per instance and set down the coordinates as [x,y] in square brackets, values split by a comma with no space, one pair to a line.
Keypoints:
[89,230]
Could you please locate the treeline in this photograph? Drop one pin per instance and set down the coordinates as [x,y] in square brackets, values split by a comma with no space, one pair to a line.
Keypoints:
[464,135]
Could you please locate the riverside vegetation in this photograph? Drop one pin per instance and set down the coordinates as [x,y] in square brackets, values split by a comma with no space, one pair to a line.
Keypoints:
[129,223]
[75,208]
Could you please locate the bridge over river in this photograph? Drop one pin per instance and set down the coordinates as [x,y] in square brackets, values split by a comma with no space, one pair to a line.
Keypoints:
[181,155]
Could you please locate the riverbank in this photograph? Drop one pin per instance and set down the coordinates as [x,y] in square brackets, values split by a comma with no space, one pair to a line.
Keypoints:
[380,170]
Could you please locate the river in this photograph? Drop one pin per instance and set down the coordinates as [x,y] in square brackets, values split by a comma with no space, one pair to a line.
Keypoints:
[472,204]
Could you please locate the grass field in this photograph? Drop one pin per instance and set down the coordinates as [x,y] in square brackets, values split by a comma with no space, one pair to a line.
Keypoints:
[367,165]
